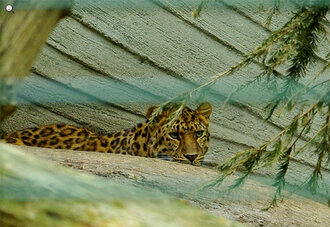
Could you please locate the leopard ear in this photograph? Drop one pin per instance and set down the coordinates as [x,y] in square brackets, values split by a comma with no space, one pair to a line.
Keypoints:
[159,118]
[150,111]
[205,109]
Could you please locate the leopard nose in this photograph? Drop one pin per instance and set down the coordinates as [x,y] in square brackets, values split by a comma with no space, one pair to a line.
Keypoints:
[190,157]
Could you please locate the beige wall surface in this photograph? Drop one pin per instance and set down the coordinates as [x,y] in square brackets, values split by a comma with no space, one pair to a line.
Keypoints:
[105,64]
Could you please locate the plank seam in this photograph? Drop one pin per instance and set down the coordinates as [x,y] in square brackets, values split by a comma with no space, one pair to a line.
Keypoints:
[244,107]
[96,70]
[35,71]
[154,64]
[242,13]
[142,58]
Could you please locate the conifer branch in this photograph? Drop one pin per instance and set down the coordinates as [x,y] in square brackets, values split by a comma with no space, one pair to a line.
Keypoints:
[296,42]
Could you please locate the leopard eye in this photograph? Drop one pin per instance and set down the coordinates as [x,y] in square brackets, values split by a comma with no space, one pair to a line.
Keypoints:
[199,134]
[174,135]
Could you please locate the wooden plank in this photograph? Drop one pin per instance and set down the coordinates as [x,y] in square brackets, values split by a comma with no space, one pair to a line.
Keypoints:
[53,65]
[219,21]
[222,22]
[76,106]
[225,85]
[58,67]
[246,126]
[250,8]
[183,49]
[75,43]
[230,28]
[107,59]
[30,116]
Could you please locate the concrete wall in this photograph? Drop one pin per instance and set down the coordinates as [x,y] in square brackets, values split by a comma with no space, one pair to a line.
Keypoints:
[105,64]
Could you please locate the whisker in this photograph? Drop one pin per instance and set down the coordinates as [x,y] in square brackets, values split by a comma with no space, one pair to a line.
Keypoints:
[179,159]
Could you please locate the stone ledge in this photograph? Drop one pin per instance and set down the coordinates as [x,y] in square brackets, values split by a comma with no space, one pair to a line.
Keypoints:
[184,180]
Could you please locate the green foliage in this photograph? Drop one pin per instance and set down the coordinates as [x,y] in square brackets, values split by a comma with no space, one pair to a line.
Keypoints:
[296,43]
[197,12]
[273,10]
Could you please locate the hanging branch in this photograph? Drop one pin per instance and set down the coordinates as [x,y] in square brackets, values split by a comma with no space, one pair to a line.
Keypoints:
[263,50]
[296,43]
[272,11]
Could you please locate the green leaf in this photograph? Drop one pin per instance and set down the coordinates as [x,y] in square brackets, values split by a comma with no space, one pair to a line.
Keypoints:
[196,13]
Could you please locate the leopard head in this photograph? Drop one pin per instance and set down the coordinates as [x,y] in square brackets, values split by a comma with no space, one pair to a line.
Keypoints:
[187,139]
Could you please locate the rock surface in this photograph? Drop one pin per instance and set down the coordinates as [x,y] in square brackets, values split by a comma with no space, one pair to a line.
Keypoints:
[36,192]
[183,181]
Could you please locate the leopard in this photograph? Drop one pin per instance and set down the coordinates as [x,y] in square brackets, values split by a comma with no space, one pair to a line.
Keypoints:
[186,140]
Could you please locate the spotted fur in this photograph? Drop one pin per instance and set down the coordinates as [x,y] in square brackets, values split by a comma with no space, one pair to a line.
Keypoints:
[186,140]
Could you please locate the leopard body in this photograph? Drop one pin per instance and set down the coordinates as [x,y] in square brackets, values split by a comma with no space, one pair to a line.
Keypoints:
[186,140]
